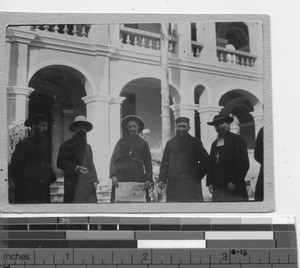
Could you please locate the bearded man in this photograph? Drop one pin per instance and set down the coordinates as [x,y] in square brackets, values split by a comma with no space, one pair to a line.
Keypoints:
[30,166]
[75,158]
[228,163]
[131,162]
[183,165]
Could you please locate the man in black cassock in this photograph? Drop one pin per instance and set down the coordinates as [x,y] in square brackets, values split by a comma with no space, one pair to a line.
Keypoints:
[183,166]
[75,158]
[131,158]
[30,164]
[228,163]
[259,157]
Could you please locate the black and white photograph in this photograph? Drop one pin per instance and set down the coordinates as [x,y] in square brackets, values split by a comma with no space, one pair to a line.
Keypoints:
[138,114]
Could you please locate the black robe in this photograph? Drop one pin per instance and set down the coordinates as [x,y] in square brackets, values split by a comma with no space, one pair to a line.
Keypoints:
[183,169]
[131,162]
[235,166]
[30,170]
[78,187]
[259,157]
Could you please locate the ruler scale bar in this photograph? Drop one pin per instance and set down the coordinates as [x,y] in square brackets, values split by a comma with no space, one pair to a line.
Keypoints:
[148,242]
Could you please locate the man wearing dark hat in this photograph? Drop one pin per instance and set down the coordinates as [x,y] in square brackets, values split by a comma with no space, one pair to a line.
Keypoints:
[30,165]
[228,163]
[75,158]
[131,158]
[183,165]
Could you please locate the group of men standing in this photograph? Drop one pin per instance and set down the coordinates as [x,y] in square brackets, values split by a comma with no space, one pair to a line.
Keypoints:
[184,164]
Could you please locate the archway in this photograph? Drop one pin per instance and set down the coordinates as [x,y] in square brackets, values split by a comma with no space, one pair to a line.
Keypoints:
[240,107]
[143,98]
[233,33]
[58,92]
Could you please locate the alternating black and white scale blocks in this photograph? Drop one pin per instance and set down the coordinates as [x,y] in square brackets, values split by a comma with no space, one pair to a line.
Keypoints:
[148,242]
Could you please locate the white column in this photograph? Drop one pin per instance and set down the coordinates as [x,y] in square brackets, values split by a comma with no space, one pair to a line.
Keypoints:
[258,118]
[186,110]
[184,41]
[208,133]
[206,34]
[114,35]
[98,34]
[97,107]
[17,103]
[115,121]
[256,43]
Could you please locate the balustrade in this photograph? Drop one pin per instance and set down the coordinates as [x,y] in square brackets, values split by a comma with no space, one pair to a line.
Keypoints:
[67,29]
[196,48]
[236,57]
[144,39]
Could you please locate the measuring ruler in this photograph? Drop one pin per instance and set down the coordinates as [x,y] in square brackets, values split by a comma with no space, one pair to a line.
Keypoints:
[148,242]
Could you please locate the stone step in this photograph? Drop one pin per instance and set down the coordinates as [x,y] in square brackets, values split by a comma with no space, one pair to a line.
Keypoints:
[57,192]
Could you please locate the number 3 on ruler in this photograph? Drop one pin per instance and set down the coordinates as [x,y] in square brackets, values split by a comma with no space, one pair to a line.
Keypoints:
[224,258]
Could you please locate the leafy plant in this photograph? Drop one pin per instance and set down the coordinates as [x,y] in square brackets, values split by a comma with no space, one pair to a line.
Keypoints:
[16,133]
[156,193]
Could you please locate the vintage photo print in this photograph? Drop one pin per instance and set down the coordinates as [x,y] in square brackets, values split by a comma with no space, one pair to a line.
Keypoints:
[144,113]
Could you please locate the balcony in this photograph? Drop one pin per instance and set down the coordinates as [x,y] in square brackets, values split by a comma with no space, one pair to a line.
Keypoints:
[146,40]
[235,57]
[142,42]
[66,29]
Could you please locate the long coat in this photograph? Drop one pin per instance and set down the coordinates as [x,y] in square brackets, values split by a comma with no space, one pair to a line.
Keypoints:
[131,161]
[78,187]
[30,171]
[183,170]
[236,165]
[259,157]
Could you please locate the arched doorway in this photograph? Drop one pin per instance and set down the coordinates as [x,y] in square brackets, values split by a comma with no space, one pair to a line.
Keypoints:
[240,104]
[143,98]
[58,93]
[233,33]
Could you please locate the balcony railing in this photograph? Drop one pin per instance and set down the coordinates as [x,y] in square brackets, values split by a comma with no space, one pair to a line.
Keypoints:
[196,48]
[67,29]
[235,57]
[144,39]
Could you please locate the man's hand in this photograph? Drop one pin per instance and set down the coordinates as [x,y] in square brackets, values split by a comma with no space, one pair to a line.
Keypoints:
[161,184]
[231,186]
[114,181]
[96,186]
[211,188]
[81,169]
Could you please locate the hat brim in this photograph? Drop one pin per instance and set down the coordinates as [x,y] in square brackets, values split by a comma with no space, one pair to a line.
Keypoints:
[137,119]
[87,125]
[227,119]
[37,119]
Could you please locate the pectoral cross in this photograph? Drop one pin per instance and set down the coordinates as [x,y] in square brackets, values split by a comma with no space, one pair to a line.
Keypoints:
[217,157]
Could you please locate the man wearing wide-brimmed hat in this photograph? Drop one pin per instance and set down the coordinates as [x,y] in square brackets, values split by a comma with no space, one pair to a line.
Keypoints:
[130,165]
[228,164]
[183,165]
[30,164]
[75,158]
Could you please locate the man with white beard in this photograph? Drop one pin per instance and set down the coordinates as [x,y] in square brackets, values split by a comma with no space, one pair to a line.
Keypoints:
[130,163]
